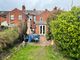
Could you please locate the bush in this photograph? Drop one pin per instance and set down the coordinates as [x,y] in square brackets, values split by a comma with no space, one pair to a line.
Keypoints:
[53,16]
[66,31]
[7,37]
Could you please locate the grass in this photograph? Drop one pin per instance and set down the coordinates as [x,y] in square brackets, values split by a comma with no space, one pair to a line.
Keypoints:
[30,52]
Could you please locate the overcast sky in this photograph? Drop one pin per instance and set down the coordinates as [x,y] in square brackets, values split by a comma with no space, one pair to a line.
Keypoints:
[37,4]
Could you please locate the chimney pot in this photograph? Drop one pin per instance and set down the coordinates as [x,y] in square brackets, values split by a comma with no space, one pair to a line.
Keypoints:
[23,7]
[55,8]
[46,9]
[34,9]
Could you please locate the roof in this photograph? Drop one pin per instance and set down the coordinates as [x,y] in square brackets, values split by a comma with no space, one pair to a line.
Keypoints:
[36,12]
[3,13]
[33,12]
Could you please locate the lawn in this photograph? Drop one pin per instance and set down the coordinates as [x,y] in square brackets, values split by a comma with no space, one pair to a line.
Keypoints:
[30,52]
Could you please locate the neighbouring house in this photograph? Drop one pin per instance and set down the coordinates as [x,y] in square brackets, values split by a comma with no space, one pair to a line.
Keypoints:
[36,20]
[3,21]
[14,18]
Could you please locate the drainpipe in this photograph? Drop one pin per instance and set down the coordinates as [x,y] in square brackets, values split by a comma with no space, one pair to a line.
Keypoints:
[9,18]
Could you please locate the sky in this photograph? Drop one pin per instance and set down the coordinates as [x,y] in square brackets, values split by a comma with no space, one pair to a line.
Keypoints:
[6,5]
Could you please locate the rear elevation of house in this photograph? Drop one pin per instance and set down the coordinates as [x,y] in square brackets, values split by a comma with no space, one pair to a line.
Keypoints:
[37,19]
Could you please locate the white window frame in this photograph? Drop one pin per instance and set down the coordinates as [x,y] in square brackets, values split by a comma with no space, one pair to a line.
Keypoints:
[41,18]
[34,18]
[20,17]
[30,17]
[42,30]
[11,17]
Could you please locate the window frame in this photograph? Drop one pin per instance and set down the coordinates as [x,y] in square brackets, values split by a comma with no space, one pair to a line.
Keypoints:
[20,17]
[41,19]
[11,17]
[42,33]
[34,18]
[30,17]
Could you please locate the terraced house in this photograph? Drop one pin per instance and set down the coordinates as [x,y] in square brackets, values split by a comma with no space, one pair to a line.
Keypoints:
[37,19]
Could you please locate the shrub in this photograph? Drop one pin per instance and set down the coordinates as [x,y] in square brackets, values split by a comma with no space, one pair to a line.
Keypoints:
[66,31]
[7,37]
[52,17]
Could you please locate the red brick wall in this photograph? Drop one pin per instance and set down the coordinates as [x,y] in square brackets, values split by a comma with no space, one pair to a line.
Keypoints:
[42,38]
[37,29]
[2,19]
[37,26]
[16,13]
[45,15]
[38,18]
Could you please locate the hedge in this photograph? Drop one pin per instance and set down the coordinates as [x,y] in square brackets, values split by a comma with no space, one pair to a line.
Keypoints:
[66,32]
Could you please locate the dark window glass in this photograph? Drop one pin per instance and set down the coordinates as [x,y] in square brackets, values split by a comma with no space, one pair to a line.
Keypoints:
[43,29]
[40,29]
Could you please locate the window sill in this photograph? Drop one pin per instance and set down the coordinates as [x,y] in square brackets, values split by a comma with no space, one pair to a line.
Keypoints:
[42,34]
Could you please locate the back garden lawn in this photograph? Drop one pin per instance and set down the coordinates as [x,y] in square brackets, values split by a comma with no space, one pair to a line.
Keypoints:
[31,52]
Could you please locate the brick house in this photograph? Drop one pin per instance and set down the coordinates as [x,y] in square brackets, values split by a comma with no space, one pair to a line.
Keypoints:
[3,16]
[39,22]
[14,18]
[38,19]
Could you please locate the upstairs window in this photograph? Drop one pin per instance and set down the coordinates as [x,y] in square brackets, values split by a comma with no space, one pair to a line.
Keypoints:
[34,18]
[40,19]
[20,17]
[30,17]
[12,17]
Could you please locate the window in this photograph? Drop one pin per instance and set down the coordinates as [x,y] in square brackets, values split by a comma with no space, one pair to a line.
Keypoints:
[12,17]
[34,18]
[20,17]
[30,17]
[42,29]
[41,19]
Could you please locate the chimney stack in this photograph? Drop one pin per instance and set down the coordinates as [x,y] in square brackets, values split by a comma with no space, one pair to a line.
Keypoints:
[55,8]
[46,9]
[34,9]
[23,8]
